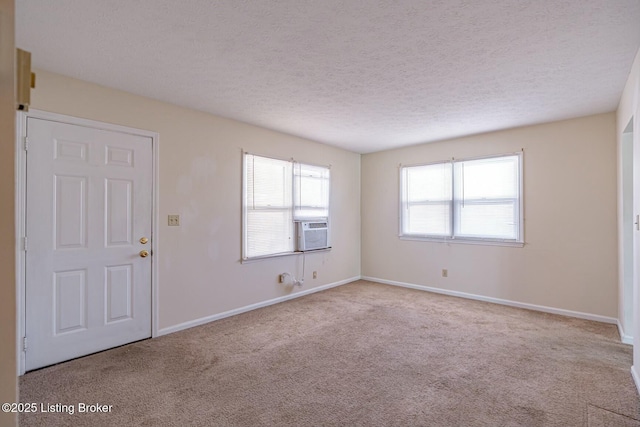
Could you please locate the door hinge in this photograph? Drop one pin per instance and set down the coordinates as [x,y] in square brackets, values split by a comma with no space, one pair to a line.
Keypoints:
[24,343]
[24,243]
[26,143]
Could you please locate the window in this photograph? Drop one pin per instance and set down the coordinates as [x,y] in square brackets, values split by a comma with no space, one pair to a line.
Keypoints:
[311,192]
[268,206]
[478,199]
[427,200]
[277,193]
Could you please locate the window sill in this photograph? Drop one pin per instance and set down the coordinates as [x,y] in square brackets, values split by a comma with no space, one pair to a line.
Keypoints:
[465,241]
[264,257]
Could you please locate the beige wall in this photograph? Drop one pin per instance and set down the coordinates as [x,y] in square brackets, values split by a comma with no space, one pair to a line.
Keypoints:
[8,383]
[200,179]
[569,260]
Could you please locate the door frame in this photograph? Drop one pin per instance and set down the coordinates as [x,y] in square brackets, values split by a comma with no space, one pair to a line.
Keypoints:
[628,189]
[21,205]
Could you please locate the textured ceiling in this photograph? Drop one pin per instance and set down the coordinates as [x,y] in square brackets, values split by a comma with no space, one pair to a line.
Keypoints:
[365,75]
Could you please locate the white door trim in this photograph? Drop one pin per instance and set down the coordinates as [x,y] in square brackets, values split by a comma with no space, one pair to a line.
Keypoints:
[21,178]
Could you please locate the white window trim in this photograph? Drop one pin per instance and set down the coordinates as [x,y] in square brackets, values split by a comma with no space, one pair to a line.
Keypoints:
[284,254]
[520,242]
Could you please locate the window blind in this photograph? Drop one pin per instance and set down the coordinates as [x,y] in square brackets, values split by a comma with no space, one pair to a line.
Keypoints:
[268,206]
[277,193]
[476,199]
[310,192]
[486,198]
[426,206]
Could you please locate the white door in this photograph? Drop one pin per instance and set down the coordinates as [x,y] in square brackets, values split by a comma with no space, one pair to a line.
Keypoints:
[88,213]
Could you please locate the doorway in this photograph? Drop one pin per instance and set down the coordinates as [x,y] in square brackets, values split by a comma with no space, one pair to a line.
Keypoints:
[87,237]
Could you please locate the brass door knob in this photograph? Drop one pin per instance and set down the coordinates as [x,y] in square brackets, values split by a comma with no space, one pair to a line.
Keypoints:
[144,240]
[144,254]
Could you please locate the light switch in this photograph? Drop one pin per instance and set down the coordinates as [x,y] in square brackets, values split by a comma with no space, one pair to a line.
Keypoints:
[174,220]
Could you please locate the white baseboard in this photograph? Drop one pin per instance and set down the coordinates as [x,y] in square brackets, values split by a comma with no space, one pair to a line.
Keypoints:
[542,308]
[636,377]
[218,316]
[627,339]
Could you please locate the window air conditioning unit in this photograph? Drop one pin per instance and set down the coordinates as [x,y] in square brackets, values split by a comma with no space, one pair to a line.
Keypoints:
[313,235]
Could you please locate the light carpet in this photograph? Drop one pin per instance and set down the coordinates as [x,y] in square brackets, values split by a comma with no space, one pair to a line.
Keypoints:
[362,354]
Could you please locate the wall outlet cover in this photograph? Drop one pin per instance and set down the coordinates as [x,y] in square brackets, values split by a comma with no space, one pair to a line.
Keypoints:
[174,220]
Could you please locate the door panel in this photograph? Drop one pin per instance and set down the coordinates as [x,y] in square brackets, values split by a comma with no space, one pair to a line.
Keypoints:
[70,214]
[119,216]
[70,301]
[119,293]
[88,205]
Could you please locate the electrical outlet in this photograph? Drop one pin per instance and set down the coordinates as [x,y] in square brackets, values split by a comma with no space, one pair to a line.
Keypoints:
[315,274]
[445,272]
[174,220]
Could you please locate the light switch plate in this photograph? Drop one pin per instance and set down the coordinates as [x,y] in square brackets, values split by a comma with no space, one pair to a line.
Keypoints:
[174,220]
